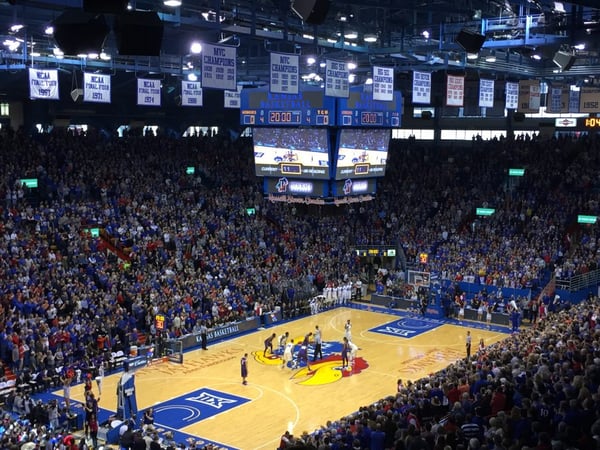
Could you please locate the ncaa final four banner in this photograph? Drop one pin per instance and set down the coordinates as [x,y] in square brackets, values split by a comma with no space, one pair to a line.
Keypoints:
[148,92]
[383,83]
[455,90]
[421,92]
[219,67]
[232,99]
[337,82]
[486,93]
[284,72]
[512,95]
[191,93]
[96,88]
[43,84]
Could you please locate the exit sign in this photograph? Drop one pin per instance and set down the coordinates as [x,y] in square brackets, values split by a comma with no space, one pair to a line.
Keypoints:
[516,172]
[485,211]
[586,219]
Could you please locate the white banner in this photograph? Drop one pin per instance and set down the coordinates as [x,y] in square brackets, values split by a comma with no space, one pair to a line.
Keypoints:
[337,82]
[455,90]
[486,93]
[232,99]
[285,69]
[148,92]
[43,84]
[535,96]
[421,87]
[574,100]
[96,88]
[383,83]
[219,67]
[512,95]
[554,99]
[191,93]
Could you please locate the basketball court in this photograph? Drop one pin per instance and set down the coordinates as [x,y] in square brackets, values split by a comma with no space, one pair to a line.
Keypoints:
[204,400]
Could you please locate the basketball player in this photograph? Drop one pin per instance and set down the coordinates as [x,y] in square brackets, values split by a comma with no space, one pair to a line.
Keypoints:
[345,351]
[244,367]
[288,355]
[283,341]
[348,330]
[269,344]
[353,351]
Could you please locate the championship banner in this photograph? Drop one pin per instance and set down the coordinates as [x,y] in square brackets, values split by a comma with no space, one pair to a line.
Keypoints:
[96,88]
[337,76]
[589,100]
[573,100]
[421,88]
[232,99]
[455,91]
[219,67]
[383,83]
[512,95]
[557,99]
[486,93]
[43,84]
[191,93]
[529,96]
[284,73]
[148,92]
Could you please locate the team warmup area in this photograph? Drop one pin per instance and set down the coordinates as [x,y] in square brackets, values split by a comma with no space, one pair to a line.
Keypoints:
[204,401]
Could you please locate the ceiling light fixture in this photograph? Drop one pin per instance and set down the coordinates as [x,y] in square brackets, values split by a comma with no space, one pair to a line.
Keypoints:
[351,35]
[491,57]
[370,38]
[172,3]
[472,56]
[196,48]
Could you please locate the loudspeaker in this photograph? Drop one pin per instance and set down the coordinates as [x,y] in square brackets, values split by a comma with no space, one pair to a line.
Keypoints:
[139,33]
[563,60]
[470,41]
[77,32]
[311,11]
[105,6]
[76,94]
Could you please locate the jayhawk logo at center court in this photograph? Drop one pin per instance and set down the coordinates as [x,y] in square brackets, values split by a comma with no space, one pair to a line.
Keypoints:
[323,371]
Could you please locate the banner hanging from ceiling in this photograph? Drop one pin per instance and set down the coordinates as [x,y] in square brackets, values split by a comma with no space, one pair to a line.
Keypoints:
[43,84]
[574,100]
[219,67]
[421,92]
[337,83]
[232,99]
[191,93]
[455,90]
[557,99]
[512,95]
[383,83]
[589,100]
[486,93]
[529,96]
[148,92]
[284,71]
[96,88]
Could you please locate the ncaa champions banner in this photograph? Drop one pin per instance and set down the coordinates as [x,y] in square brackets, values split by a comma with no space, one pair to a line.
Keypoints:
[96,88]
[337,82]
[43,84]
[455,90]
[148,92]
[589,100]
[383,83]
[512,95]
[219,67]
[529,96]
[191,93]
[232,99]
[421,88]
[557,99]
[284,73]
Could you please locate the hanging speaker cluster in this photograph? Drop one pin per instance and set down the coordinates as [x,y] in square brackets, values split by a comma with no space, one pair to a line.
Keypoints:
[563,60]
[84,31]
[470,41]
[311,11]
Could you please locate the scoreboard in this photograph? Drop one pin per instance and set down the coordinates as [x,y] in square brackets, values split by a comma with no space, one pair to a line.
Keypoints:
[360,110]
[259,107]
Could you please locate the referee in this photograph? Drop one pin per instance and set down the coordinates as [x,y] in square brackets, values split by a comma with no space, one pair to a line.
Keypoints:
[318,344]
[203,333]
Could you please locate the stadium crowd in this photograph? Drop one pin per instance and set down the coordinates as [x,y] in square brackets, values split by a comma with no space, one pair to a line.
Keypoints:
[184,244]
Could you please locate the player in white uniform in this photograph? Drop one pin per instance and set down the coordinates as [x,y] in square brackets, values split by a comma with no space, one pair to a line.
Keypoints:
[348,330]
[288,354]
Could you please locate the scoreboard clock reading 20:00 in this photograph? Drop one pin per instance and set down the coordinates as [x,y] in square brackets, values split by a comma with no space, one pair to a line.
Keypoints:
[259,107]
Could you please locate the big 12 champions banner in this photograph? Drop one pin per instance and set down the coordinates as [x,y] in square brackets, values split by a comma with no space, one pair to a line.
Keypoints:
[219,67]
[486,93]
[337,82]
[96,88]
[383,83]
[512,95]
[43,84]
[455,90]
[421,87]
[284,73]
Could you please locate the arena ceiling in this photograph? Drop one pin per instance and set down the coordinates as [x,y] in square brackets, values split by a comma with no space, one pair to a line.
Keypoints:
[522,38]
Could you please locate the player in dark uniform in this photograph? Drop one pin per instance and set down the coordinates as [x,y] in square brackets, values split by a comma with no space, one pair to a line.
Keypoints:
[345,351]
[244,368]
[269,344]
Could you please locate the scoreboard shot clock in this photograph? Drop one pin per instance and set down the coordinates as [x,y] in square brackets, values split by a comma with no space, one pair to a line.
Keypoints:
[360,110]
[310,107]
